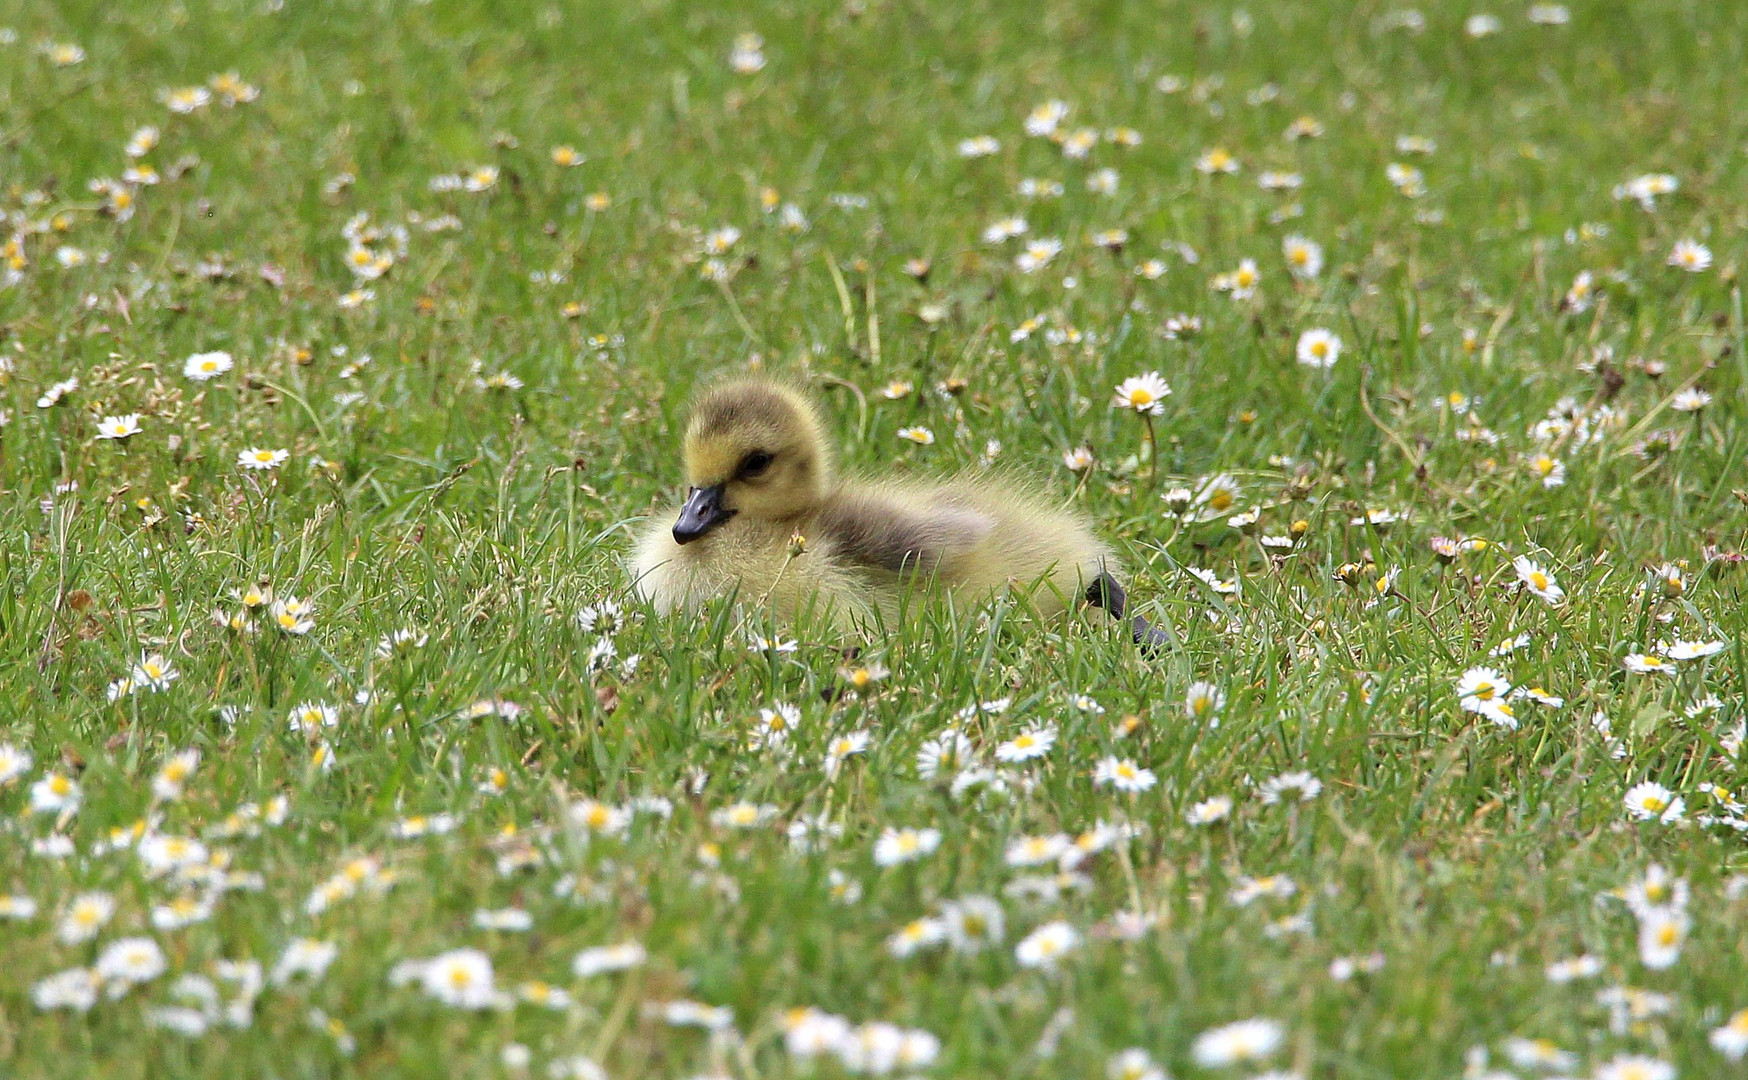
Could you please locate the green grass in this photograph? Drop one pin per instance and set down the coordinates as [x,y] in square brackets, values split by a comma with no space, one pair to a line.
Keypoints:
[1469,856]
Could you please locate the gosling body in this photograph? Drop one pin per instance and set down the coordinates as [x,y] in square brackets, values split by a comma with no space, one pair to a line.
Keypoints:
[761,475]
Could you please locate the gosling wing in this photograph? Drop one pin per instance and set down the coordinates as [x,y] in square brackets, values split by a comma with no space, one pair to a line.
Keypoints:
[883,532]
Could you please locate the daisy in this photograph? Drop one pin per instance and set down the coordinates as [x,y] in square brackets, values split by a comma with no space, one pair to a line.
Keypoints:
[897,846]
[1318,348]
[311,717]
[1651,801]
[603,959]
[1145,394]
[1182,327]
[85,917]
[1289,787]
[1244,1041]
[14,763]
[119,427]
[1216,584]
[1076,145]
[1573,969]
[1691,650]
[920,435]
[54,794]
[1540,696]
[1034,743]
[1005,229]
[1645,664]
[1657,889]
[501,380]
[129,961]
[304,957]
[844,747]
[863,679]
[1110,239]
[1634,1067]
[293,616]
[748,55]
[1499,712]
[1690,400]
[1304,257]
[599,818]
[1648,188]
[1043,947]
[1037,255]
[1133,1064]
[185,100]
[1103,182]
[946,752]
[973,923]
[1036,850]
[1551,471]
[771,730]
[1216,161]
[512,920]
[1538,1054]
[1042,121]
[207,365]
[257,458]
[461,978]
[1408,181]
[153,672]
[979,146]
[1210,811]
[1731,1040]
[1690,256]
[719,241]
[1578,297]
[175,773]
[1480,686]
[74,989]
[1080,459]
[742,815]
[1124,775]
[1480,26]
[1662,932]
[1217,494]
[1537,580]
[1241,283]
[915,935]
[1203,701]
[53,395]
[779,645]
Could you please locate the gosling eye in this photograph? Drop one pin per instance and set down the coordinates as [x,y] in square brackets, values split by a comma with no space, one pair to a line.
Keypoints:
[754,465]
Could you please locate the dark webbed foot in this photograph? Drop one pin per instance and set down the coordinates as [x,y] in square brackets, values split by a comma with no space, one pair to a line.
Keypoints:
[1106,592]
[1150,638]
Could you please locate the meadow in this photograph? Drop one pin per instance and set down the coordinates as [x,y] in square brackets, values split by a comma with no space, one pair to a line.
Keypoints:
[345,346]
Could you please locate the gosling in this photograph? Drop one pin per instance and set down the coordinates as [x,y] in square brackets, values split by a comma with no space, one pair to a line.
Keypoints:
[767,520]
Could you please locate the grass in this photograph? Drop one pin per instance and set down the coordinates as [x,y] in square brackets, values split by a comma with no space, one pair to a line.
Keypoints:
[1468,856]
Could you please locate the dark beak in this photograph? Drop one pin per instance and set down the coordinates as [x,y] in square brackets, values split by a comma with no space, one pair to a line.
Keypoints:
[703,512]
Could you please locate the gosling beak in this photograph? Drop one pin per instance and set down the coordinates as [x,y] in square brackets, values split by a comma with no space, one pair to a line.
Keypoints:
[702,513]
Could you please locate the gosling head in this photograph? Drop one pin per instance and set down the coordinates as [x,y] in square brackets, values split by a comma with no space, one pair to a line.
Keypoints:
[752,448]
